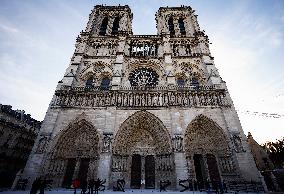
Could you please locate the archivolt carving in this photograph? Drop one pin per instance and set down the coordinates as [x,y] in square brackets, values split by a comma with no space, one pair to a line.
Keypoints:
[204,135]
[78,140]
[97,70]
[181,75]
[146,63]
[190,70]
[142,132]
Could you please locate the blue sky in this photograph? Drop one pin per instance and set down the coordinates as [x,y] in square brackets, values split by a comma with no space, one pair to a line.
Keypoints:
[37,41]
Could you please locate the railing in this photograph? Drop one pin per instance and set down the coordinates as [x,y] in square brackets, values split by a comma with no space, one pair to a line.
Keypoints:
[134,98]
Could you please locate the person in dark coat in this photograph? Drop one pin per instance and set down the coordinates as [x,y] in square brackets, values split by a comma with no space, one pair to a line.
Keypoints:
[42,186]
[91,186]
[84,186]
[35,186]
[97,185]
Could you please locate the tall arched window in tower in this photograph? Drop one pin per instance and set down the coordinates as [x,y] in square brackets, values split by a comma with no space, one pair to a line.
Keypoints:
[171,26]
[104,26]
[90,82]
[105,83]
[115,26]
[180,81]
[194,82]
[181,26]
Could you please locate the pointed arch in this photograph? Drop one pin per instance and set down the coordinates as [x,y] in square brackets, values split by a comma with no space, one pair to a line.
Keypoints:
[90,80]
[193,72]
[76,145]
[103,27]
[79,139]
[171,26]
[181,26]
[204,136]
[97,71]
[142,124]
[115,26]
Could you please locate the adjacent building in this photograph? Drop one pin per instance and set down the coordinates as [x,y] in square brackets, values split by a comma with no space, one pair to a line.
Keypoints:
[18,132]
[272,176]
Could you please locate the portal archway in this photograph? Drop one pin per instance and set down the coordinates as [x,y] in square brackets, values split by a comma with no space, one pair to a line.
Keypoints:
[75,154]
[142,152]
[207,149]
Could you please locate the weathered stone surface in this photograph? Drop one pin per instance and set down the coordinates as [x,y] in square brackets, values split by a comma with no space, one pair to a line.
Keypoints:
[149,97]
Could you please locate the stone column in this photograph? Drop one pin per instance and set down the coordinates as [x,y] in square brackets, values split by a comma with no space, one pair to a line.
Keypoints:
[109,26]
[181,168]
[92,171]
[117,68]
[207,176]
[77,168]
[191,168]
[104,169]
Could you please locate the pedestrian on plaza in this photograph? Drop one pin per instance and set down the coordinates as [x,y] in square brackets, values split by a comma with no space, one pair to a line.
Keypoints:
[84,186]
[208,187]
[195,185]
[97,185]
[76,185]
[35,186]
[91,186]
[42,186]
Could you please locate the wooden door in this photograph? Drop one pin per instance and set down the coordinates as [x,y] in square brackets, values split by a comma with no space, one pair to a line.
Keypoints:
[150,172]
[83,169]
[213,168]
[67,180]
[136,172]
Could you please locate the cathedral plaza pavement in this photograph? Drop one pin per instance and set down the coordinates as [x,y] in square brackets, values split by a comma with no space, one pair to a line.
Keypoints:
[116,192]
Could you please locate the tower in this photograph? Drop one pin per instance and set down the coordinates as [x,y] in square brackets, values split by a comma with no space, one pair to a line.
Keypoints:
[143,108]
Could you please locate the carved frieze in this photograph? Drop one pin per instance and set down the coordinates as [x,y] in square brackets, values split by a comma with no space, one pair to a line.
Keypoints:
[164,162]
[94,97]
[119,163]
[226,164]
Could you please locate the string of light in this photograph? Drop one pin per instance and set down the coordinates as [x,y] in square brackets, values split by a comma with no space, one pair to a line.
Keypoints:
[263,114]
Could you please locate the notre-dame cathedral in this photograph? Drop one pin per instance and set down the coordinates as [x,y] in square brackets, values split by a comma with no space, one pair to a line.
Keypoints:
[143,108]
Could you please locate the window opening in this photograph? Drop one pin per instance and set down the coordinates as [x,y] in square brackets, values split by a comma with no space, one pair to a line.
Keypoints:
[181,26]
[103,26]
[115,26]
[171,26]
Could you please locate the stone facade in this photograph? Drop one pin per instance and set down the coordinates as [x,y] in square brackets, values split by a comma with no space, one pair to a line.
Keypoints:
[265,165]
[143,108]
[18,132]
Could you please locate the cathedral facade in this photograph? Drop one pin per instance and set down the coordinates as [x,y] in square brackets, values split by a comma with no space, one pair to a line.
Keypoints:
[143,108]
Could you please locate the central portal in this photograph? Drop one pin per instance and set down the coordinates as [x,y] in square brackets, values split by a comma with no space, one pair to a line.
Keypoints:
[138,149]
[143,171]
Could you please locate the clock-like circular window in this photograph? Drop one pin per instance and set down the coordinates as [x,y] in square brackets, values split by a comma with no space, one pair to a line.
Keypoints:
[145,77]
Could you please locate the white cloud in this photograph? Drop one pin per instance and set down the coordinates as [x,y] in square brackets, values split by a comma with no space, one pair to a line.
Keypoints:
[9,29]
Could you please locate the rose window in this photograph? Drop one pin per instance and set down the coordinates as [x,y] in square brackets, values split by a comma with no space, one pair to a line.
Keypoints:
[145,77]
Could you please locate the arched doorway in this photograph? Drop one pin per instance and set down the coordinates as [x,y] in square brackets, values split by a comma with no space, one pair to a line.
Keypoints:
[142,152]
[207,151]
[74,155]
